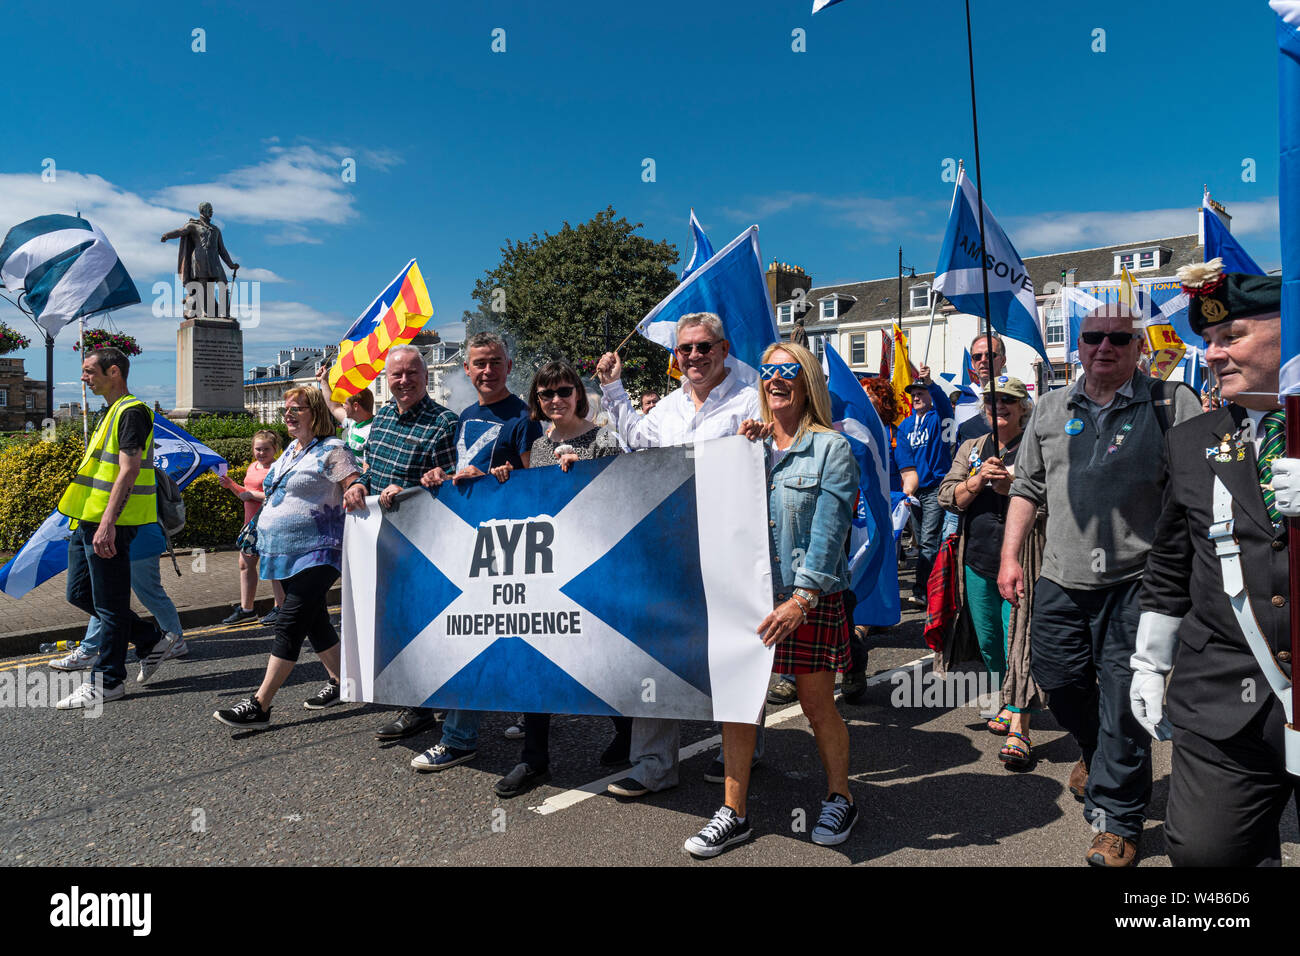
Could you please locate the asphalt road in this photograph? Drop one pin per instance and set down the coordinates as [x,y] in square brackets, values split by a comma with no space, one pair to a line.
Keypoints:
[156,780]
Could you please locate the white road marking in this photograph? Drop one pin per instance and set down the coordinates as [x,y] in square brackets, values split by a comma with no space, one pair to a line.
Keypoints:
[569,798]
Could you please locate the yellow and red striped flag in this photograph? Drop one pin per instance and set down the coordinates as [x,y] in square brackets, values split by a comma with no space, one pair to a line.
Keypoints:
[394,318]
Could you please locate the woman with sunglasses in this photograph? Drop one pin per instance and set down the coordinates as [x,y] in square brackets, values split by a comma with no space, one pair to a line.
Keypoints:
[556,395]
[813,487]
[978,486]
[300,544]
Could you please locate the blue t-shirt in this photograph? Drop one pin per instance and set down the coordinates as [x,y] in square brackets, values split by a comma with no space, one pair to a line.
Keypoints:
[491,435]
[921,442]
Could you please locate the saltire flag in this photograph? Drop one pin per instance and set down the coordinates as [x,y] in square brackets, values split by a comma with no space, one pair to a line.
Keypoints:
[962,263]
[394,318]
[67,268]
[967,368]
[632,585]
[819,5]
[1078,300]
[701,252]
[903,375]
[1221,244]
[45,554]
[873,564]
[1288,42]
[732,286]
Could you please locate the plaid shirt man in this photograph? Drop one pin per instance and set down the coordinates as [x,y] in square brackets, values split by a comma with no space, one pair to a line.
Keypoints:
[404,445]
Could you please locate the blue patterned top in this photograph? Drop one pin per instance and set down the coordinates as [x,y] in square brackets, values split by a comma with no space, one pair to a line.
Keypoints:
[301,524]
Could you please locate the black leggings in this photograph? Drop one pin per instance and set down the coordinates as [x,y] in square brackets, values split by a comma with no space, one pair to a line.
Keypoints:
[304,615]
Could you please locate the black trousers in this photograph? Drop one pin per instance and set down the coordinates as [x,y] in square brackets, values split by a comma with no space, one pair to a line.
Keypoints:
[304,614]
[1082,641]
[537,738]
[1226,797]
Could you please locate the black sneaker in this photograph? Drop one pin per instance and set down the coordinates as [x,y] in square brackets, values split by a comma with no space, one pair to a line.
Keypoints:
[247,713]
[239,615]
[520,780]
[325,697]
[717,772]
[724,830]
[618,752]
[782,692]
[412,720]
[853,689]
[836,821]
[270,616]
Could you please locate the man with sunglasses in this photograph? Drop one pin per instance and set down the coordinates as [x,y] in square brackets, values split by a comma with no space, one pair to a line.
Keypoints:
[972,423]
[712,403]
[1093,454]
[1222,537]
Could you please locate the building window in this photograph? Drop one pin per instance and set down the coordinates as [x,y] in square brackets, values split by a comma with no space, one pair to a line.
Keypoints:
[785,314]
[1054,320]
[4,398]
[817,345]
[858,349]
[1147,259]
[1138,260]
[31,401]
[829,308]
[920,297]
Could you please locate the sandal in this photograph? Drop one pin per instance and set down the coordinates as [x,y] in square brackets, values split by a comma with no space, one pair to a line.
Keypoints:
[1014,755]
[1000,725]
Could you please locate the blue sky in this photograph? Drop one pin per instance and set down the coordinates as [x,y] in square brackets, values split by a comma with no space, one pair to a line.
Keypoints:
[836,152]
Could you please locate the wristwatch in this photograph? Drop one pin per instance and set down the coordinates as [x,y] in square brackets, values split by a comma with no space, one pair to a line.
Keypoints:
[808,596]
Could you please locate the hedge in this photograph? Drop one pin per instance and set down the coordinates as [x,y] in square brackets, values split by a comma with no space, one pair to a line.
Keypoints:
[34,474]
[213,515]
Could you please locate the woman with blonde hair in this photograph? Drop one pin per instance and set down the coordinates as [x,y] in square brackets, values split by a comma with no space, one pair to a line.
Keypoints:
[300,544]
[813,486]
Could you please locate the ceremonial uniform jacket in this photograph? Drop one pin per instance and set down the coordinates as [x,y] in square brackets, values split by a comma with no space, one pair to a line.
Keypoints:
[1217,685]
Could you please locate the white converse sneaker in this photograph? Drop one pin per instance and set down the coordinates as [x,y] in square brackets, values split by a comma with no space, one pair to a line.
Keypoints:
[89,696]
[724,830]
[78,660]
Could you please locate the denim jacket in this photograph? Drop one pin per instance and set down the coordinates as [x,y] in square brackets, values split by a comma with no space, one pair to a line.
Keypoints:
[811,495]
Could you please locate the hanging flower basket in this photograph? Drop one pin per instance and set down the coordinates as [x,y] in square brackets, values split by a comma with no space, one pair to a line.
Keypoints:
[11,341]
[103,338]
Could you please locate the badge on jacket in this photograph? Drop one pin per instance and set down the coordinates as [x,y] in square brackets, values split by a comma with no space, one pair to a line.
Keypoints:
[1074,426]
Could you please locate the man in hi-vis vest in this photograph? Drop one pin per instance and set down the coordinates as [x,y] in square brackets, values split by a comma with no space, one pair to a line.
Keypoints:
[109,500]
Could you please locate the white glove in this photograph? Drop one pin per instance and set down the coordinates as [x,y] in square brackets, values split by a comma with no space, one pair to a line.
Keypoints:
[1286,486]
[1157,639]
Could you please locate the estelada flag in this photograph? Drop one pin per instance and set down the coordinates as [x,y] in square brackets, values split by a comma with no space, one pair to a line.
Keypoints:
[394,318]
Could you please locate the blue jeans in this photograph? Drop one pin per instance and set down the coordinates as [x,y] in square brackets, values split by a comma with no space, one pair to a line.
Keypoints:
[931,537]
[146,582]
[460,729]
[102,588]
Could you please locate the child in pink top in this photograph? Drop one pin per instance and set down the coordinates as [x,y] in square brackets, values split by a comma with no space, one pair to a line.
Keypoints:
[266,447]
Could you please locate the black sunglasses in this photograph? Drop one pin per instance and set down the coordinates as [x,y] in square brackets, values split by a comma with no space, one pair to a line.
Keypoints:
[1120,339]
[701,347]
[546,394]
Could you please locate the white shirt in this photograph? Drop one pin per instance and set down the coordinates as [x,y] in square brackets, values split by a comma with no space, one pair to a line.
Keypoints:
[675,421]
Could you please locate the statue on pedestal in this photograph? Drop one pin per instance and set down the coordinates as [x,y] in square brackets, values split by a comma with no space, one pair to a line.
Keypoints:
[202,251]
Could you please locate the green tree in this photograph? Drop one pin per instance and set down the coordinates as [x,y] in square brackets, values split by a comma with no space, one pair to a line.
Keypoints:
[549,296]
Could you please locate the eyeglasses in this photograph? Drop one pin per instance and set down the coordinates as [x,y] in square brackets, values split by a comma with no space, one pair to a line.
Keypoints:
[295,410]
[785,370]
[1119,339]
[701,348]
[981,356]
[546,394]
[1002,400]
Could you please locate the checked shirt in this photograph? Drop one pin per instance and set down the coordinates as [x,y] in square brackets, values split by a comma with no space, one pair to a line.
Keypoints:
[404,445]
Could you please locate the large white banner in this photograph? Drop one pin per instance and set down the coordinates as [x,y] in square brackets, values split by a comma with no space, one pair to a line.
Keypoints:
[631,585]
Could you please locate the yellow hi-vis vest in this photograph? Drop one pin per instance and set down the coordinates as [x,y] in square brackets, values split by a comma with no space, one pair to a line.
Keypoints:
[87,497]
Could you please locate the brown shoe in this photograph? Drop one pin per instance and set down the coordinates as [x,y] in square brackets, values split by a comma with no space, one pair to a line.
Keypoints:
[1078,779]
[1111,849]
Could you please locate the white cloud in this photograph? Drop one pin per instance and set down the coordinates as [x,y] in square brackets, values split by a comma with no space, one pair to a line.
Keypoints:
[1057,231]
[260,275]
[880,216]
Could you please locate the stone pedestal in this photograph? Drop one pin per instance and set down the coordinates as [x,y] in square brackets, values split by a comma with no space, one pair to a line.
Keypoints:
[209,368]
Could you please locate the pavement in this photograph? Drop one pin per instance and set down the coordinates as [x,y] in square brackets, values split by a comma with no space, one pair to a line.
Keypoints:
[204,593]
[156,780]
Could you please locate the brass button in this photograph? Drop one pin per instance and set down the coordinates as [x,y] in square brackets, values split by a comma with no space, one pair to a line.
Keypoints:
[1278,545]
[1278,600]
[771,524]
[1284,656]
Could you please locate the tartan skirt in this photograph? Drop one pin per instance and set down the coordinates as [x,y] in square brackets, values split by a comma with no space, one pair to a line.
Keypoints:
[820,644]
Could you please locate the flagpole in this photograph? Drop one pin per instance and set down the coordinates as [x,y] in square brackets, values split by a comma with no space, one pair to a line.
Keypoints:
[929,332]
[984,272]
[85,412]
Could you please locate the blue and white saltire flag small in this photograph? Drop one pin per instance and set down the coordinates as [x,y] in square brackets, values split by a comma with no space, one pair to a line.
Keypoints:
[68,269]
[702,250]
[1288,41]
[873,565]
[823,4]
[731,285]
[962,262]
[45,553]
[631,585]
[1221,244]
